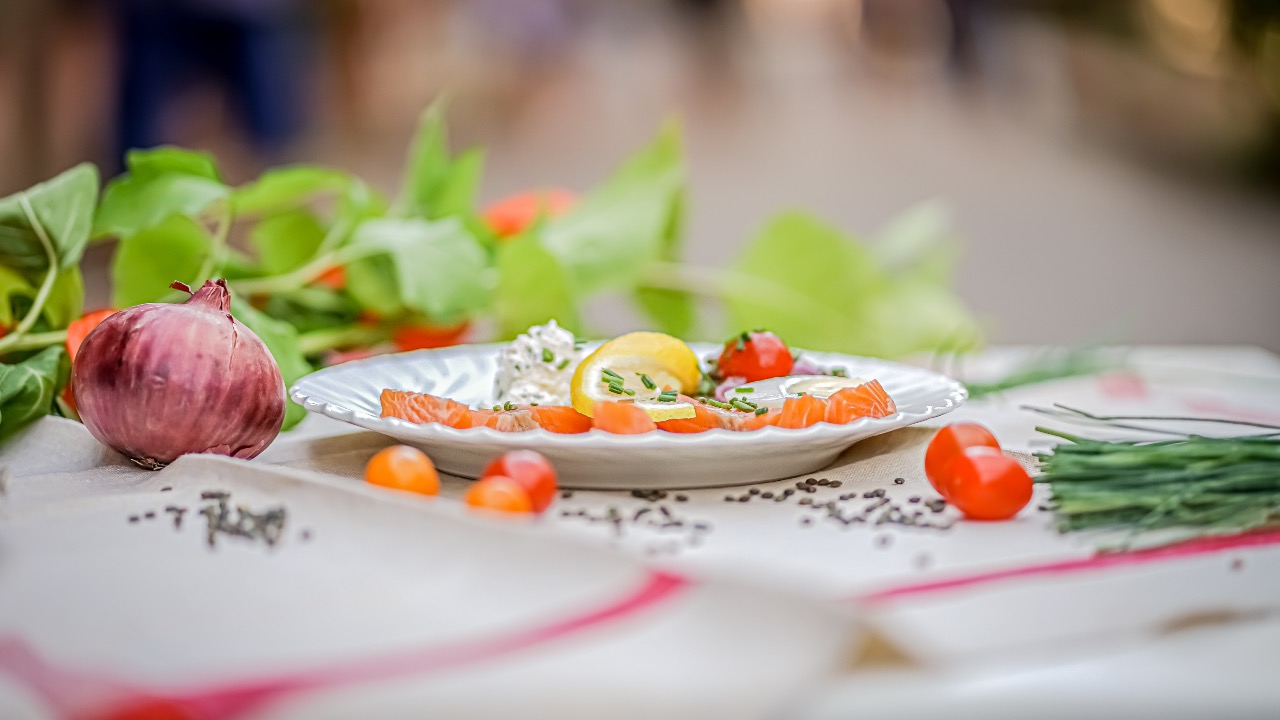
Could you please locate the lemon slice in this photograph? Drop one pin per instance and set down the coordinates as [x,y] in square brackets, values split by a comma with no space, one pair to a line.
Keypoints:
[622,362]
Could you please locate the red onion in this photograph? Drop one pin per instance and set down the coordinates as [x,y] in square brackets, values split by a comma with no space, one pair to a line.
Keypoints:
[157,381]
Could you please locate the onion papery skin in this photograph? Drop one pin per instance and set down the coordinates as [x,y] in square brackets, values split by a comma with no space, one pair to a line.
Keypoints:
[157,381]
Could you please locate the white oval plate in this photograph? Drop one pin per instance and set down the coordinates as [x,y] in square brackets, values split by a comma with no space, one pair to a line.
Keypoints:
[598,460]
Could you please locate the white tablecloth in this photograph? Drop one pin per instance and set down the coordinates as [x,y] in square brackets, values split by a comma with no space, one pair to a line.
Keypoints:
[741,609]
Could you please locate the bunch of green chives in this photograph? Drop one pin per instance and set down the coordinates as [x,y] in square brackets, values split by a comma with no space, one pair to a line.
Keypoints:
[1199,485]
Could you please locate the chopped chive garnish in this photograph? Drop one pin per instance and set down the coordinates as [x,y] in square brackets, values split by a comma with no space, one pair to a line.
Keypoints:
[761,411]
[497,408]
[800,394]
[611,374]
[615,389]
[648,381]
[509,406]
[533,404]
[702,400]
[718,404]
[839,372]
[744,390]
[563,364]
[629,391]
[740,405]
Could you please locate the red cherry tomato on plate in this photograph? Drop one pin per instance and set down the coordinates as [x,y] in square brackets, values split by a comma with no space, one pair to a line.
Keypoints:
[531,470]
[986,484]
[755,356]
[947,445]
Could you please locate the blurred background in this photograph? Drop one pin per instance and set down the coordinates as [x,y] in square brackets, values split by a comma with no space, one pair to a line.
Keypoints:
[1113,168]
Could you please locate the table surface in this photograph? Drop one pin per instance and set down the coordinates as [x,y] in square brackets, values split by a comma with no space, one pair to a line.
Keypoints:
[996,618]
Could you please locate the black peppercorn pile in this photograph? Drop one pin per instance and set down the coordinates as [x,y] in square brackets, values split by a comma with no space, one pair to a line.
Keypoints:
[222,520]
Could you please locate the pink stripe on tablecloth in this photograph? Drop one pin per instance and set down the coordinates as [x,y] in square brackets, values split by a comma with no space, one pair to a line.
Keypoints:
[1101,561]
[115,700]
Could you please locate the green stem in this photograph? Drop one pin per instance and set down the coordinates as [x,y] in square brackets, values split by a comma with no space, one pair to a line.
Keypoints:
[317,341]
[12,339]
[297,278]
[211,262]
[36,341]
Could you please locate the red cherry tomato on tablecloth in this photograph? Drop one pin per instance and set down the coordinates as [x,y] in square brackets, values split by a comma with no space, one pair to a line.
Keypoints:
[755,356]
[529,469]
[947,445]
[986,484]
[500,494]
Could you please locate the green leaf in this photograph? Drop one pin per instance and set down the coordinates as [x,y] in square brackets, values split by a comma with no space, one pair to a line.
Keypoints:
[131,204]
[532,288]
[147,262]
[63,207]
[618,229]
[157,161]
[819,289]
[12,285]
[456,195]
[428,167]
[286,241]
[434,268]
[288,188]
[674,312]
[66,300]
[281,339]
[27,389]
[806,282]
[919,241]
[237,265]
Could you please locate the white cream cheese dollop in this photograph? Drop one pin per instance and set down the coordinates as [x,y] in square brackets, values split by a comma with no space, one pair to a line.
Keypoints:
[537,367]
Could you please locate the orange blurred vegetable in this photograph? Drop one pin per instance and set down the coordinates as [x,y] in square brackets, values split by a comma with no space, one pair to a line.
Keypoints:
[78,330]
[425,337]
[513,214]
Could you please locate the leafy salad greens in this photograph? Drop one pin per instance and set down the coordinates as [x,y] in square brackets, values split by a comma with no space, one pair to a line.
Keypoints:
[320,261]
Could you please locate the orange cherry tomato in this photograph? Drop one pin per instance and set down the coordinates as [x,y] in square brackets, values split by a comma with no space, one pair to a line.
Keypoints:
[621,418]
[78,330]
[755,356]
[401,467]
[499,493]
[947,445]
[425,337]
[529,469]
[802,412]
[513,214]
[986,484]
[335,278]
